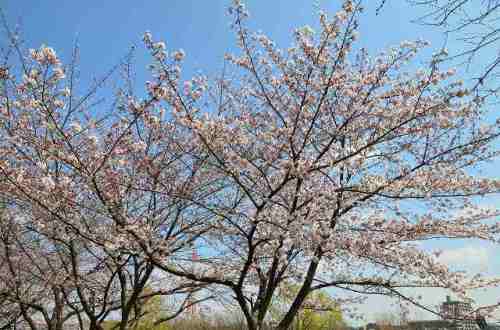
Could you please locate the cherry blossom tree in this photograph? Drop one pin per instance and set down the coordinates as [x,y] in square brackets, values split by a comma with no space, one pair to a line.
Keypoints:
[35,288]
[101,189]
[55,280]
[319,165]
[331,166]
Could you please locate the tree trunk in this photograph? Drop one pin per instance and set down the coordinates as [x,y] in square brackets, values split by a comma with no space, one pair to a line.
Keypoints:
[287,320]
[94,325]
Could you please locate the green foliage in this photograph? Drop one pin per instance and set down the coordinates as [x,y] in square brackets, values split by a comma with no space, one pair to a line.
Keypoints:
[146,323]
[110,325]
[152,307]
[152,310]
[318,320]
[319,312]
[323,314]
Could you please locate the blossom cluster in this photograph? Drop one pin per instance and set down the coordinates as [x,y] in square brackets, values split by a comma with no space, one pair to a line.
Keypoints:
[317,164]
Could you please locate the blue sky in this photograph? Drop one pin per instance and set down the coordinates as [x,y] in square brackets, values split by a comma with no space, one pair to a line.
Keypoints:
[106,29]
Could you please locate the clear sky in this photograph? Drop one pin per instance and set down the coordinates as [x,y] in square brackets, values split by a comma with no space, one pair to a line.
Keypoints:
[106,29]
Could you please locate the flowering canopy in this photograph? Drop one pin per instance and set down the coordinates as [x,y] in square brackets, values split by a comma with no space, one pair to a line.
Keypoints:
[317,165]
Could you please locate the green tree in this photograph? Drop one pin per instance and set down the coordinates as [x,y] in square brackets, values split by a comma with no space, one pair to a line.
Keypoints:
[147,315]
[320,311]
[151,314]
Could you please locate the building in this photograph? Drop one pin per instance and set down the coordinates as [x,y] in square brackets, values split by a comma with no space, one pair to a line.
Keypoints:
[431,325]
[454,309]
[456,315]
[460,313]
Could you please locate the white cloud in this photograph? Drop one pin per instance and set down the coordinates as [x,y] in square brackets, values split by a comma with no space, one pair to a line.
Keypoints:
[470,257]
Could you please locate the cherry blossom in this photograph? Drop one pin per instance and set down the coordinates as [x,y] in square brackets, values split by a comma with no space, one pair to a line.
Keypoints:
[318,165]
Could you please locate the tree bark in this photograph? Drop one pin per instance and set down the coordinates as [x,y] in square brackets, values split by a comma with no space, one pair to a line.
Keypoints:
[302,294]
